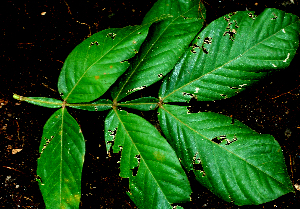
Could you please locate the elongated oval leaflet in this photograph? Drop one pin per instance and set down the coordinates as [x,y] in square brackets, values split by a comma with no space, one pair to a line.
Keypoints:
[95,64]
[40,101]
[60,164]
[232,53]
[144,149]
[234,162]
[162,48]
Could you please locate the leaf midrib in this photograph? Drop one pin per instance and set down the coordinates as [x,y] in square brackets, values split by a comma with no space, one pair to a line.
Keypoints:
[61,160]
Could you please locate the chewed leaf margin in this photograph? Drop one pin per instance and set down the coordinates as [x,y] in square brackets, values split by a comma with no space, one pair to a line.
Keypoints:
[158,168]
[225,57]
[59,167]
[96,63]
[163,46]
[234,162]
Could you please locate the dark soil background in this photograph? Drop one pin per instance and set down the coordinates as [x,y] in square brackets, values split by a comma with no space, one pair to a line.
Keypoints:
[36,38]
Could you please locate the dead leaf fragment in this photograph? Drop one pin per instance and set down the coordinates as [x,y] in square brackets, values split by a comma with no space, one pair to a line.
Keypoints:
[15,151]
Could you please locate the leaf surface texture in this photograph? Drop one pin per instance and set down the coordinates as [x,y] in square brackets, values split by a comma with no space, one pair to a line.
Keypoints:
[95,64]
[60,164]
[163,46]
[232,53]
[160,179]
[234,162]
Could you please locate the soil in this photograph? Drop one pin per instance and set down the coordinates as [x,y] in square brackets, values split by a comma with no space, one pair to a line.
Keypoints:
[37,36]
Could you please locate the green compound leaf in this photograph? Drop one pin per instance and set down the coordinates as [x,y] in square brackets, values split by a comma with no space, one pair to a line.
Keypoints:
[60,165]
[99,105]
[163,46]
[95,64]
[40,101]
[232,53]
[160,179]
[142,104]
[234,162]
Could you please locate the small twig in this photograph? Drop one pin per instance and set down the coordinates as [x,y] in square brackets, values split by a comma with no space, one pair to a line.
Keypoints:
[49,87]
[10,168]
[69,11]
[289,92]
[291,165]
[86,25]
[18,130]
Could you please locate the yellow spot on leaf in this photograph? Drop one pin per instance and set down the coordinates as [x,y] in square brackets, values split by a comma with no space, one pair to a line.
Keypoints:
[111,66]
[97,77]
[159,156]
